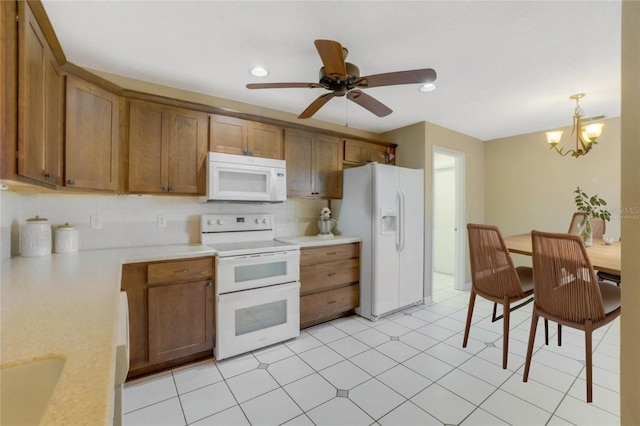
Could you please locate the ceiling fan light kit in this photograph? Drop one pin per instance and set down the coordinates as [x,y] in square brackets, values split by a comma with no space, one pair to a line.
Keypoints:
[343,79]
[585,135]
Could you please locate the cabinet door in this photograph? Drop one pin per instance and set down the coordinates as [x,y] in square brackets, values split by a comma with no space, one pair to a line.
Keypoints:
[187,151]
[148,146]
[327,176]
[355,152]
[299,155]
[40,104]
[265,140]
[180,320]
[227,134]
[92,136]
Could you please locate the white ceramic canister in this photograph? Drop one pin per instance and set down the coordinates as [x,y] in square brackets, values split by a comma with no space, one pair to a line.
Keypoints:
[36,237]
[66,239]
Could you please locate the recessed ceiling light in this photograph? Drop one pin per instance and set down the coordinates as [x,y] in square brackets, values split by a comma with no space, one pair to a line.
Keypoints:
[259,72]
[429,87]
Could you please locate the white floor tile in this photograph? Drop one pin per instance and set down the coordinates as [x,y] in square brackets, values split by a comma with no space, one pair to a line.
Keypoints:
[311,391]
[404,381]
[443,404]
[409,414]
[326,332]
[393,329]
[289,370]
[168,412]
[428,316]
[411,322]
[230,417]
[349,325]
[206,401]
[194,376]
[272,408]
[372,337]
[345,375]
[303,343]
[514,410]
[148,390]
[485,370]
[548,376]
[481,418]
[321,357]
[251,384]
[273,353]
[603,398]
[448,353]
[339,412]
[579,412]
[418,340]
[397,350]
[373,362]
[467,386]
[494,356]
[450,323]
[533,392]
[428,366]
[237,365]
[301,420]
[436,332]
[603,378]
[375,398]
[348,346]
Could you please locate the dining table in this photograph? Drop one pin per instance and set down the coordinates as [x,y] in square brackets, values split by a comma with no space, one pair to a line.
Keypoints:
[604,257]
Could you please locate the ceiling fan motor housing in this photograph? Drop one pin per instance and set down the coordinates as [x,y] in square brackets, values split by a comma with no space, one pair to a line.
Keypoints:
[330,83]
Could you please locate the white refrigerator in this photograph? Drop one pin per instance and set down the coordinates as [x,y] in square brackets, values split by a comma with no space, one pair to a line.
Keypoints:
[384,205]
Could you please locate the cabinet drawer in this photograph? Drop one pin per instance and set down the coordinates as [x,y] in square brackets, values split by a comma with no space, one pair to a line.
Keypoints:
[314,278]
[310,256]
[329,303]
[183,270]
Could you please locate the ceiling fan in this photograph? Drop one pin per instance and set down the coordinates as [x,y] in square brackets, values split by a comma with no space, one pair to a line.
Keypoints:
[343,78]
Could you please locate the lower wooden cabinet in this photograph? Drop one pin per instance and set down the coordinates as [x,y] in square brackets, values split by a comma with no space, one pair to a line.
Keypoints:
[171,312]
[329,282]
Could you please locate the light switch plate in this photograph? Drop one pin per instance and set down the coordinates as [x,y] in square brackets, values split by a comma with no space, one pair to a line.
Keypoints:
[96,222]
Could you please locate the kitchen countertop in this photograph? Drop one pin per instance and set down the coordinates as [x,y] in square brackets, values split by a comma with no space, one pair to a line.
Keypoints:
[316,241]
[66,306]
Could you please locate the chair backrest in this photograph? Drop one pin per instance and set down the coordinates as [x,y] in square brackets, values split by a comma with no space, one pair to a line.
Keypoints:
[565,284]
[492,270]
[598,226]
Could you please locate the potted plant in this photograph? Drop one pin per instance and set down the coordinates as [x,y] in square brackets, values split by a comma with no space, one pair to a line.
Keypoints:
[593,208]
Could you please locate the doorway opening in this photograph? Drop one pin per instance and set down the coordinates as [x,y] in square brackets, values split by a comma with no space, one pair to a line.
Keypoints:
[449,231]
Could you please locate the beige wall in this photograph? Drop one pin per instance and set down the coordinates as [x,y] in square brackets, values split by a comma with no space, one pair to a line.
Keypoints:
[415,150]
[530,187]
[629,335]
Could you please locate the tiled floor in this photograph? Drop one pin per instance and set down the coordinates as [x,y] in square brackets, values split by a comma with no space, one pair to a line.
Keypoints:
[405,369]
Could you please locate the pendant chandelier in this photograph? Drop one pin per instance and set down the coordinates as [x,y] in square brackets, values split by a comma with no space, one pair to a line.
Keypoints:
[584,135]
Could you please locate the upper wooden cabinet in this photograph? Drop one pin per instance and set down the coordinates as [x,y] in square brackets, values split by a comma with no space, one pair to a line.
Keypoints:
[236,136]
[92,136]
[167,149]
[357,153]
[314,165]
[40,103]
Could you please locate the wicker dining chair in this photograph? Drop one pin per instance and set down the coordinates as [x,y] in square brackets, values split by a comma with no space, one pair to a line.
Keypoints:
[598,226]
[581,302]
[494,277]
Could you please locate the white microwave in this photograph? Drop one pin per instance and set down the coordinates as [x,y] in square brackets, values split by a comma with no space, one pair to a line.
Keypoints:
[243,178]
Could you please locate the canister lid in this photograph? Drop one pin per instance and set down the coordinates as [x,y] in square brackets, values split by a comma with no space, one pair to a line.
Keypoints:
[66,226]
[37,219]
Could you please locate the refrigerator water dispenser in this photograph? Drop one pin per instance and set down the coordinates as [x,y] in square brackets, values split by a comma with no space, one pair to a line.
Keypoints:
[389,222]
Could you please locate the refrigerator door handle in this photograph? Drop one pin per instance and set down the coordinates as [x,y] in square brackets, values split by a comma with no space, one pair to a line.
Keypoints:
[401,221]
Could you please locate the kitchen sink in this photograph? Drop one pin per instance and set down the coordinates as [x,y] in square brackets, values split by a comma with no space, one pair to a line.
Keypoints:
[26,389]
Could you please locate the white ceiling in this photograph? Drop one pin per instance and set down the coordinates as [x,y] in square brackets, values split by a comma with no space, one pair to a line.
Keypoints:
[504,67]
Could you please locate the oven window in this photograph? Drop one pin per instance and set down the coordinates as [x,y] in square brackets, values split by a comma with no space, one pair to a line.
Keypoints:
[260,317]
[263,270]
[254,183]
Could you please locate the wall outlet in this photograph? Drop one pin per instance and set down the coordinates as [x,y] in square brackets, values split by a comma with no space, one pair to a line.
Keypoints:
[96,222]
[162,221]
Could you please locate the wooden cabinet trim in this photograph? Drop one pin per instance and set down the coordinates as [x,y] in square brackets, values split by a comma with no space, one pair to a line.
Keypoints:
[185,270]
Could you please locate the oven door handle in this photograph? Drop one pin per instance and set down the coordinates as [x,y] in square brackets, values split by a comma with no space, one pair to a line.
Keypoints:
[233,259]
[270,291]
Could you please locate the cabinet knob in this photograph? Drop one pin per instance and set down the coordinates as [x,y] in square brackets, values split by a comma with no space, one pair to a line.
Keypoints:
[171,188]
[330,302]
[184,271]
[46,175]
[209,284]
[164,188]
[71,182]
[330,274]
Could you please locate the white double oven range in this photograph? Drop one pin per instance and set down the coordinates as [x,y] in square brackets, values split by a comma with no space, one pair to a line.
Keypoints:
[257,283]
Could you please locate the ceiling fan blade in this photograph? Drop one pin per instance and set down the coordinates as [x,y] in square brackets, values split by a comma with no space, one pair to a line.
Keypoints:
[316,105]
[332,55]
[370,103]
[281,85]
[426,75]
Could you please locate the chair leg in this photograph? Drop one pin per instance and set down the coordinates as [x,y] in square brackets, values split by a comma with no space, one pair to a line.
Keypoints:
[472,301]
[546,332]
[494,317]
[559,334]
[532,338]
[588,364]
[505,331]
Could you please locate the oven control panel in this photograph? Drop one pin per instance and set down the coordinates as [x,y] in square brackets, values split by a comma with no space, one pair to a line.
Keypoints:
[236,223]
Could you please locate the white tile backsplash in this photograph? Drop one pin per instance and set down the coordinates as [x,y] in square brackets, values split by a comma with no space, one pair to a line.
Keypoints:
[132,220]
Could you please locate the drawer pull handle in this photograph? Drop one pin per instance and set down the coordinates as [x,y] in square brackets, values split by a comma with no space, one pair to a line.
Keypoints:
[331,253]
[330,274]
[330,302]
[186,271]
